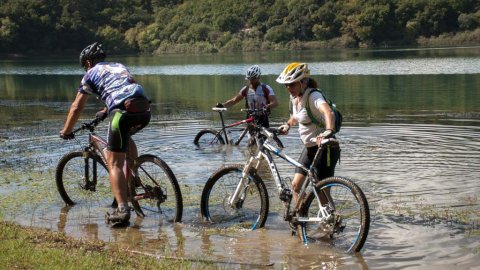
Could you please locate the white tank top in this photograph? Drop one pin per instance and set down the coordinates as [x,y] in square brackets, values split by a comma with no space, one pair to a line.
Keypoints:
[306,128]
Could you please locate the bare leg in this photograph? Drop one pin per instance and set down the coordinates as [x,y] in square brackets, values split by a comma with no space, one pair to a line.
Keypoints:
[118,182]
[132,149]
[297,183]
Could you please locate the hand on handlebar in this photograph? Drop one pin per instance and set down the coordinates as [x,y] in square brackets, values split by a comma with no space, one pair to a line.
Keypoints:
[101,115]
[219,105]
[283,129]
[327,134]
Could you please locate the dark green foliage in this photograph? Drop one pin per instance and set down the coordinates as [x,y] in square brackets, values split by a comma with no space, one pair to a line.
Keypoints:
[55,26]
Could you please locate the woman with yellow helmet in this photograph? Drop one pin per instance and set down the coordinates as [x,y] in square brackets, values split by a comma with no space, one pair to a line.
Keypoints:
[303,91]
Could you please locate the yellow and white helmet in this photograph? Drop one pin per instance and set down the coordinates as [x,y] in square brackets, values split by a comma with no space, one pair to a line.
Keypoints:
[294,72]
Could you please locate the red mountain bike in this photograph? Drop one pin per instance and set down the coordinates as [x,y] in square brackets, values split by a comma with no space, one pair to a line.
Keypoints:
[82,178]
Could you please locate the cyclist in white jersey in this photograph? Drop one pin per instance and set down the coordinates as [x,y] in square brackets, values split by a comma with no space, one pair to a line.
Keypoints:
[258,96]
[296,79]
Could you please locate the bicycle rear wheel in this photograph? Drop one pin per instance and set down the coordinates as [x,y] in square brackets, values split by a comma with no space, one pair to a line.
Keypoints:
[250,212]
[348,226]
[208,137]
[82,178]
[155,190]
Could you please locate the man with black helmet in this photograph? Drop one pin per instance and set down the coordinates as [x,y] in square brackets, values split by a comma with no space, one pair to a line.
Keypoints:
[257,95]
[124,99]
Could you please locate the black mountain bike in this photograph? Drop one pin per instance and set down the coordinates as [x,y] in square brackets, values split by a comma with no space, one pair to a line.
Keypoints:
[209,137]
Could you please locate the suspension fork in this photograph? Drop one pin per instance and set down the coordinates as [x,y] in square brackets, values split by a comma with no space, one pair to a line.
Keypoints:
[243,183]
[90,180]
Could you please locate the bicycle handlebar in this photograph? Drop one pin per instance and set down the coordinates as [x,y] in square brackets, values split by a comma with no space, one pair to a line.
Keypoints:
[272,133]
[88,125]
[219,109]
[255,112]
[325,141]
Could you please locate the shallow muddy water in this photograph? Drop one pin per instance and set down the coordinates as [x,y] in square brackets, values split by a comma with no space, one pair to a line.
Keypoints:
[412,148]
[422,189]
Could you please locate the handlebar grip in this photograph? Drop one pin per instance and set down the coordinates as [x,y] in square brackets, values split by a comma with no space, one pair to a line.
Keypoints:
[219,109]
[325,141]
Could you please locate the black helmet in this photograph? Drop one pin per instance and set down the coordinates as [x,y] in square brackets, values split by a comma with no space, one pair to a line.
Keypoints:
[92,52]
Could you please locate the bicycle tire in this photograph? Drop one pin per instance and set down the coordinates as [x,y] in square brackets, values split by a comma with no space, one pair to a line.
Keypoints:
[155,190]
[350,223]
[250,214]
[82,178]
[208,137]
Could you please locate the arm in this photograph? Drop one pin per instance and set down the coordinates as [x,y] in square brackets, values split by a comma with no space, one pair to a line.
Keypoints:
[292,121]
[273,102]
[328,116]
[75,111]
[232,101]
[329,123]
[286,127]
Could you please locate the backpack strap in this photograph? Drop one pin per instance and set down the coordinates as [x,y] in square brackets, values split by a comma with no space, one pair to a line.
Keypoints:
[265,94]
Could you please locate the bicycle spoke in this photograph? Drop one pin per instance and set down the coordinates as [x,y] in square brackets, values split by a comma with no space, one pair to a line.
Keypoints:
[83,181]
[346,227]
[155,190]
[248,212]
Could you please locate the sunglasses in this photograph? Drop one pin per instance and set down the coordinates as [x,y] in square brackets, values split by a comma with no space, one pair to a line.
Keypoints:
[289,85]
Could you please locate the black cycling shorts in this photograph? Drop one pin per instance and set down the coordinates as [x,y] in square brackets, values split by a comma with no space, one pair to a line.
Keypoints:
[124,125]
[325,166]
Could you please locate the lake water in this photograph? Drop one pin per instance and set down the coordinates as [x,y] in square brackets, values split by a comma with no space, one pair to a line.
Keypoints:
[410,139]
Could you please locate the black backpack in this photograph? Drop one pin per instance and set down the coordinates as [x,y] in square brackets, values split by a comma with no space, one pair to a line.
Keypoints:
[336,112]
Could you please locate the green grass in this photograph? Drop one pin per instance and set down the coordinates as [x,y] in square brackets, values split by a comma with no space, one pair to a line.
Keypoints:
[28,248]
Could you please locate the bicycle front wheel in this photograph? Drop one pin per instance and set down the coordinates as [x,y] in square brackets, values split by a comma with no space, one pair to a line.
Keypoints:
[208,137]
[82,178]
[348,223]
[155,190]
[249,212]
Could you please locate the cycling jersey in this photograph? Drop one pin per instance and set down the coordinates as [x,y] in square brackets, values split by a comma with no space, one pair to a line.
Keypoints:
[112,82]
[256,98]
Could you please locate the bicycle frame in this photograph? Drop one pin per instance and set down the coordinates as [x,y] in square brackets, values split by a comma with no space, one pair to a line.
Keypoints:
[224,128]
[265,150]
[98,145]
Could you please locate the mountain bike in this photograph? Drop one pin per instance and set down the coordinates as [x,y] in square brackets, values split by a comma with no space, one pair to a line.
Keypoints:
[82,178]
[208,137]
[332,210]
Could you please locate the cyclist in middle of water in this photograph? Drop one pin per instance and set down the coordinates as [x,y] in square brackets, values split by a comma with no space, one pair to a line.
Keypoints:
[257,96]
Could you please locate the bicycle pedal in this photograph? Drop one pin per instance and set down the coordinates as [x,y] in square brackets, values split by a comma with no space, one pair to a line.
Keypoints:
[122,224]
[287,217]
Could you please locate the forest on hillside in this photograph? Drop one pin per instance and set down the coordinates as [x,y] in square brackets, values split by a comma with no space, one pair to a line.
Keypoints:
[159,26]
